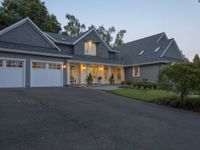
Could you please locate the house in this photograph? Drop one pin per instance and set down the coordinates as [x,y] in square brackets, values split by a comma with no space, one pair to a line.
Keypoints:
[30,57]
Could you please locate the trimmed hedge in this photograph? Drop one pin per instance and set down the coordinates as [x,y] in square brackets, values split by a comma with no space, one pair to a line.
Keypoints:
[139,85]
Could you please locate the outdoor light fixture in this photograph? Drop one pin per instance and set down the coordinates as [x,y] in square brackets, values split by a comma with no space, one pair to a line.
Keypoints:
[101,68]
[83,67]
[64,66]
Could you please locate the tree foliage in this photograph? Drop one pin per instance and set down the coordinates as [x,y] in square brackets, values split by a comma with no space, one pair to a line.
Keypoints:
[119,38]
[196,59]
[183,77]
[12,11]
[73,27]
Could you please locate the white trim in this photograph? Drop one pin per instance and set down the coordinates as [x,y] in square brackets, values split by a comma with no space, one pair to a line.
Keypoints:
[96,63]
[89,31]
[48,62]
[167,48]
[133,71]
[93,29]
[148,63]
[34,53]
[24,66]
[161,37]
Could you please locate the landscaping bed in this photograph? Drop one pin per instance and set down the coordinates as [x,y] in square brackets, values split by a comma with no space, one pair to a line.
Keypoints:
[160,97]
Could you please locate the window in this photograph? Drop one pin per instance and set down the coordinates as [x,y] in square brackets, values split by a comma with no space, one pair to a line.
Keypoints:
[14,64]
[157,49]
[141,52]
[55,66]
[118,74]
[136,71]
[1,63]
[90,48]
[38,65]
[105,73]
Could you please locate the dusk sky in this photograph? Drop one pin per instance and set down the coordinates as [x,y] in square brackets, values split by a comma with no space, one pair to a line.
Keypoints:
[180,19]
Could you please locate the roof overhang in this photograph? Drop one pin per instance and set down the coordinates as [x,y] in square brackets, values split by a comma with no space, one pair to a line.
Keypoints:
[34,53]
[148,63]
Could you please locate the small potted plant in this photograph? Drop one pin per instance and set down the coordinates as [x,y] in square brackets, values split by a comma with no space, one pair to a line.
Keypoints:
[99,79]
[89,79]
[112,80]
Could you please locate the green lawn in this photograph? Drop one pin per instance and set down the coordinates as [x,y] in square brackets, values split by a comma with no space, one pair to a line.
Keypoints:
[144,95]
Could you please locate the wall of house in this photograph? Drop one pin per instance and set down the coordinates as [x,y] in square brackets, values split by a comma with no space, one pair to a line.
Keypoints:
[147,72]
[28,65]
[25,34]
[67,49]
[102,50]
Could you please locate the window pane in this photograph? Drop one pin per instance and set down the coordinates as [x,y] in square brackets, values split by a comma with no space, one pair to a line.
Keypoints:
[90,48]
[15,64]
[105,73]
[136,71]
[55,66]
[1,63]
[118,73]
[38,65]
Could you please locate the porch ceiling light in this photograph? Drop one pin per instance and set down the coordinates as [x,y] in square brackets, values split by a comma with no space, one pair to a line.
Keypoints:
[83,67]
[101,68]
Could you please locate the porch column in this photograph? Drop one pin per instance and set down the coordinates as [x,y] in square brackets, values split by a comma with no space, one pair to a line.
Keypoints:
[87,70]
[68,73]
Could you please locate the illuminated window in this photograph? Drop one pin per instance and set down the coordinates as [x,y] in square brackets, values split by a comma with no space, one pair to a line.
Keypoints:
[14,64]
[1,63]
[118,74]
[90,48]
[136,71]
[38,65]
[105,73]
[55,66]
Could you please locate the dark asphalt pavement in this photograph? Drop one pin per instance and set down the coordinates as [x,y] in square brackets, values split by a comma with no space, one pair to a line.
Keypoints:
[86,119]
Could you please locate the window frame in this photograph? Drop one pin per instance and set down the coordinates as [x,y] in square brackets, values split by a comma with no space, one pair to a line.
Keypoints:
[54,66]
[90,48]
[39,65]
[14,64]
[133,71]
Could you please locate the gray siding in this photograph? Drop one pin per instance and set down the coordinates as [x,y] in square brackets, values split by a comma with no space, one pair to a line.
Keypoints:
[102,50]
[67,49]
[25,34]
[28,67]
[147,72]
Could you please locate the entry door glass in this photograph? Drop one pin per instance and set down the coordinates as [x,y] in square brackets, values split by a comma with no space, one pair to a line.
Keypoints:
[94,73]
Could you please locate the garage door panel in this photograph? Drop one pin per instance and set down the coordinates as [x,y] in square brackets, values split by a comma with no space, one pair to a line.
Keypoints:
[12,73]
[44,74]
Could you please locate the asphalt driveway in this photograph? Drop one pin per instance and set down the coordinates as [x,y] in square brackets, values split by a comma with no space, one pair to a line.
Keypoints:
[86,119]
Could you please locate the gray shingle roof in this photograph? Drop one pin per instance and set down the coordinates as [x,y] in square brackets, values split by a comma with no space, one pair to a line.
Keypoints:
[17,46]
[86,58]
[63,39]
[130,52]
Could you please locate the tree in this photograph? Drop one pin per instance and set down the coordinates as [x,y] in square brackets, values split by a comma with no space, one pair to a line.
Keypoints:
[183,77]
[14,10]
[196,59]
[106,34]
[119,38]
[73,27]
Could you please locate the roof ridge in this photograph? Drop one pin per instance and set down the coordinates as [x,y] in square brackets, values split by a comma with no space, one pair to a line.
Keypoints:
[143,38]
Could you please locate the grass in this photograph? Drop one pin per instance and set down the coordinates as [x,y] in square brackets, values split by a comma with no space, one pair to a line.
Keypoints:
[144,95]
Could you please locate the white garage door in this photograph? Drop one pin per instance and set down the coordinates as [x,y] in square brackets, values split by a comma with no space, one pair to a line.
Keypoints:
[46,74]
[12,73]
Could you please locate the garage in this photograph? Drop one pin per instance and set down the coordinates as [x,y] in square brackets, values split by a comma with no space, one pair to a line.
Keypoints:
[46,74]
[12,73]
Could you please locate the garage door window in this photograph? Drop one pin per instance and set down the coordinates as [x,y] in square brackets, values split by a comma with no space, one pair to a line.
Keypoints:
[37,65]
[55,66]
[1,63]
[14,64]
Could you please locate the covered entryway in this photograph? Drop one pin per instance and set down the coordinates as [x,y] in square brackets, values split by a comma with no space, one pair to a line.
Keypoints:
[12,73]
[46,74]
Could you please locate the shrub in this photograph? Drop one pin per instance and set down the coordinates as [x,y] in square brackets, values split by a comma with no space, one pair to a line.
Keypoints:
[123,83]
[129,82]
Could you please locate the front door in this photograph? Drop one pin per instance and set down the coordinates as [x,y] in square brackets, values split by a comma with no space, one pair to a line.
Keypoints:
[94,73]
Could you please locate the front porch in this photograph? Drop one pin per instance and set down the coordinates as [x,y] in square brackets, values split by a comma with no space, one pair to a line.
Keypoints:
[77,73]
